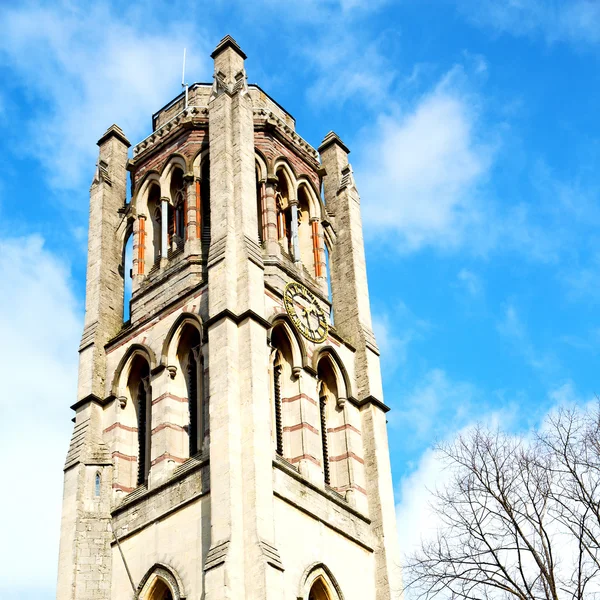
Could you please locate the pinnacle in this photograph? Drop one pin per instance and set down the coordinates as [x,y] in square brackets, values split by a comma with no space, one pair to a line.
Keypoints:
[333,138]
[228,42]
[114,131]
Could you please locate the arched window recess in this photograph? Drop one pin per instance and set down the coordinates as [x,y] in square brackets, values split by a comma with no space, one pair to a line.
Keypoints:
[318,583]
[161,583]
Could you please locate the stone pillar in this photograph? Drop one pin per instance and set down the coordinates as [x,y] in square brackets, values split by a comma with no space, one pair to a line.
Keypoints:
[241,453]
[104,283]
[192,193]
[353,321]
[164,230]
[141,245]
[270,208]
[295,240]
[318,248]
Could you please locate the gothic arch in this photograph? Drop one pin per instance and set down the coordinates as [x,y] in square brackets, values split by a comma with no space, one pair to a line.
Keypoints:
[318,573]
[198,161]
[338,366]
[125,362]
[282,165]
[261,164]
[164,574]
[313,197]
[174,161]
[140,197]
[300,356]
[172,338]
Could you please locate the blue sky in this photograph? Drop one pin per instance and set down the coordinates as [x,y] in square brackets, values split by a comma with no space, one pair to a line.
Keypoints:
[474,135]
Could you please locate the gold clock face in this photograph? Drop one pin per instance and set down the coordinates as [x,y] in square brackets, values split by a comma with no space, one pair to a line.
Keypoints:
[305,312]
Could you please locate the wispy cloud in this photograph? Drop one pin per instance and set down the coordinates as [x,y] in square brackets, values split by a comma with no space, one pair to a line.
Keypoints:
[573,21]
[512,327]
[436,405]
[85,67]
[350,68]
[396,334]
[421,171]
[39,338]
[471,282]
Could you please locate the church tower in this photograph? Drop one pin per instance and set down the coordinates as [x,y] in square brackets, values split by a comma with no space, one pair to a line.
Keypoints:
[230,436]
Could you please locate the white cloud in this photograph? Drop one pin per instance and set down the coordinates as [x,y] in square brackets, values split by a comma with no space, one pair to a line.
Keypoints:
[40,325]
[573,21]
[583,281]
[435,406]
[471,282]
[421,172]
[349,67]
[416,520]
[514,329]
[395,335]
[83,68]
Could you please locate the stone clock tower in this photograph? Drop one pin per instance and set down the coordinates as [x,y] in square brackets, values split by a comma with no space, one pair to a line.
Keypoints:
[230,436]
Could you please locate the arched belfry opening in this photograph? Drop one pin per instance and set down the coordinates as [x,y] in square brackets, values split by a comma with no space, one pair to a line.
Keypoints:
[160,583]
[153,250]
[177,209]
[127,273]
[284,213]
[305,232]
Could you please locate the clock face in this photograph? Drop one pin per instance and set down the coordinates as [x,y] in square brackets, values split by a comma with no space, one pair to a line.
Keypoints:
[305,312]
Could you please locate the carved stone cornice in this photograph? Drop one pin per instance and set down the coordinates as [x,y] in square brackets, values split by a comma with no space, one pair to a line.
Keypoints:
[190,116]
[264,119]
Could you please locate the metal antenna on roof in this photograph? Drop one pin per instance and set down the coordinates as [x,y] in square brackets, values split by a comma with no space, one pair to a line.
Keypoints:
[184,85]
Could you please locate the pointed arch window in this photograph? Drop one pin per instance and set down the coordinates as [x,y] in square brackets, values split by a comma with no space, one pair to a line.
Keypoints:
[277,370]
[142,414]
[154,209]
[189,355]
[323,397]
[319,591]
[284,393]
[205,204]
[193,398]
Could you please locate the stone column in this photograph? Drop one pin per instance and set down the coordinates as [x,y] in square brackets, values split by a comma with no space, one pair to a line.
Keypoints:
[85,529]
[353,321]
[191,213]
[295,240]
[164,230]
[141,249]
[270,208]
[239,563]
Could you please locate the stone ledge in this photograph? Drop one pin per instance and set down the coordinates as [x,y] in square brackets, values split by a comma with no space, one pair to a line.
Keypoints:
[323,505]
[142,508]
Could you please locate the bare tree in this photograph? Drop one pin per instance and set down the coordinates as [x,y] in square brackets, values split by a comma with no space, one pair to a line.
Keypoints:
[520,518]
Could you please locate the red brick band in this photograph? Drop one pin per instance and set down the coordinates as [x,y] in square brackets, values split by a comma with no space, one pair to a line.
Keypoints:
[167,456]
[302,425]
[344,427]
[128,457]
[305,457]
[170,396]
[168,426]
[345,456]
[298,397]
